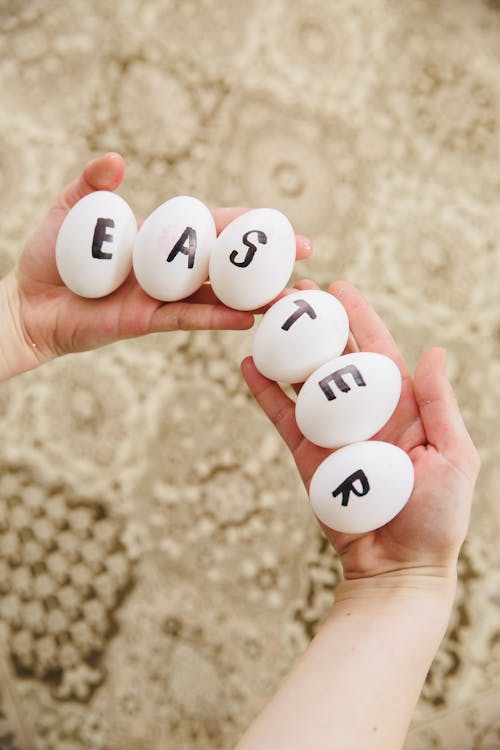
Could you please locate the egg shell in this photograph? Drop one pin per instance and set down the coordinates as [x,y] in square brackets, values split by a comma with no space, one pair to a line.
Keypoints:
[172,248]
[348,399]
[299,333]
[362,486]
[253,259]
[95,244]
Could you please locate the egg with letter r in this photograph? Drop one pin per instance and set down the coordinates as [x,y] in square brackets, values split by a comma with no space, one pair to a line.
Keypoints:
[300,332]
[173,247]
[348,399]
[362,486]
[253,259]
[95,243]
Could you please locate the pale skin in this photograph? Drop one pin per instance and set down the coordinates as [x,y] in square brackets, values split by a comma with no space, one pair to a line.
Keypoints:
[41,319]
[357,683]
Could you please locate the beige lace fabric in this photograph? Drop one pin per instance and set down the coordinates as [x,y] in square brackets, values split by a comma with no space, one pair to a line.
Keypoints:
[173,571]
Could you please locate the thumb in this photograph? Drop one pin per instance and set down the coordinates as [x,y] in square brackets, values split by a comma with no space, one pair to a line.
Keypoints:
[104,173]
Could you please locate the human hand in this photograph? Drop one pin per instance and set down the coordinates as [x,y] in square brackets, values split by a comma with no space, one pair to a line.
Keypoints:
[47,319]
[425,537]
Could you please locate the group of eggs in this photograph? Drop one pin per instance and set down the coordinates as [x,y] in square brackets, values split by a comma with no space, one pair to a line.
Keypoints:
[344,399]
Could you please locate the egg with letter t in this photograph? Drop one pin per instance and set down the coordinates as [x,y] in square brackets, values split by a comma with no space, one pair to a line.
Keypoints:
[253,259]
[172,249]
[299,333]
[95,244]
[362,486]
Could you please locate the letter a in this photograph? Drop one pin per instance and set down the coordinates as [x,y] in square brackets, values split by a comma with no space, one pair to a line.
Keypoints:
[188,234]
[101,236]
[347,486]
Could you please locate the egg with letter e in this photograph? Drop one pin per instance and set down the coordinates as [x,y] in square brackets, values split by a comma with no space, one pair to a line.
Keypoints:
[172,248]
[362,486]
[300,332]
[348,399]
[95,244]
[253,259]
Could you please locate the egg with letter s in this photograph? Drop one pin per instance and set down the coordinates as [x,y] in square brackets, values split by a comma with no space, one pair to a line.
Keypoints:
[362,486]
[95,243]
[348,399]
[253,259]
[172,248]
[299,333]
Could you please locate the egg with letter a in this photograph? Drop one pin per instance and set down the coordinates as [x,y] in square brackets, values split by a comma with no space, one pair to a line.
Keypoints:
[348,399]
[173,247]
[299,333]
[95,243]
[253,259]
[362,486]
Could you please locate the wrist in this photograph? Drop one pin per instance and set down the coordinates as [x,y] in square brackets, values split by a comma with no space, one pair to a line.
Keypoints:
[17,354]
[422,581]
[417,598]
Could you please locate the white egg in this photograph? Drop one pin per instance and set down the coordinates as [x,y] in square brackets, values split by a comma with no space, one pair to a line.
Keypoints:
[253,259]
[348,399]
[172,249]
[298,334]
[95,243]
[362,486]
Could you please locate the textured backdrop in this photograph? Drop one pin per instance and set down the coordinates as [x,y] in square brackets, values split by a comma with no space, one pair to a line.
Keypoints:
[144,467]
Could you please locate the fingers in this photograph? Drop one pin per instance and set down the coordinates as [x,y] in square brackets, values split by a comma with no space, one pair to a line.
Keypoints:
[186,316]
[305,284]
[224,216]
[440,413]
[104,173]
[351,343]
[205,295]
[369,332]
[304,246]
[276,405]
[204,307]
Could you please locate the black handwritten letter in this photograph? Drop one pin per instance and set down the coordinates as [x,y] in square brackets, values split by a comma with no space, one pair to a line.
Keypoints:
[347,486]
[336,376]
[303,307]
[252,249]
[188,234]
[101,236]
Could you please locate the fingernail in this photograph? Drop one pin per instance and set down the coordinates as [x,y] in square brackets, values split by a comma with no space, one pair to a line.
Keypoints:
[110,173]
[305,242]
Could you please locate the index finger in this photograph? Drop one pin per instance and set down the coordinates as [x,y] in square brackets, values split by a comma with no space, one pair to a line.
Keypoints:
[368,329]
[224,216]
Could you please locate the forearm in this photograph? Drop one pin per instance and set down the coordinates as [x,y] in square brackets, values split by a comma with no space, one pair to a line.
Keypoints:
[357,684]
[16,353]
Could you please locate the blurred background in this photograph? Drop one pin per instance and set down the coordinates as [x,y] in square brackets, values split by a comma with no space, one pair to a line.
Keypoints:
[144,468]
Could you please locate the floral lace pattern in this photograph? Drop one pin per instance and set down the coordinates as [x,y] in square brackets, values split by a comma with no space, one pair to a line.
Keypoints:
[160,569]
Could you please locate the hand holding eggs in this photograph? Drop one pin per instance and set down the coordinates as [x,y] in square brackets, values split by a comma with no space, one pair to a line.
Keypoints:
[344,400]
[175,251]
